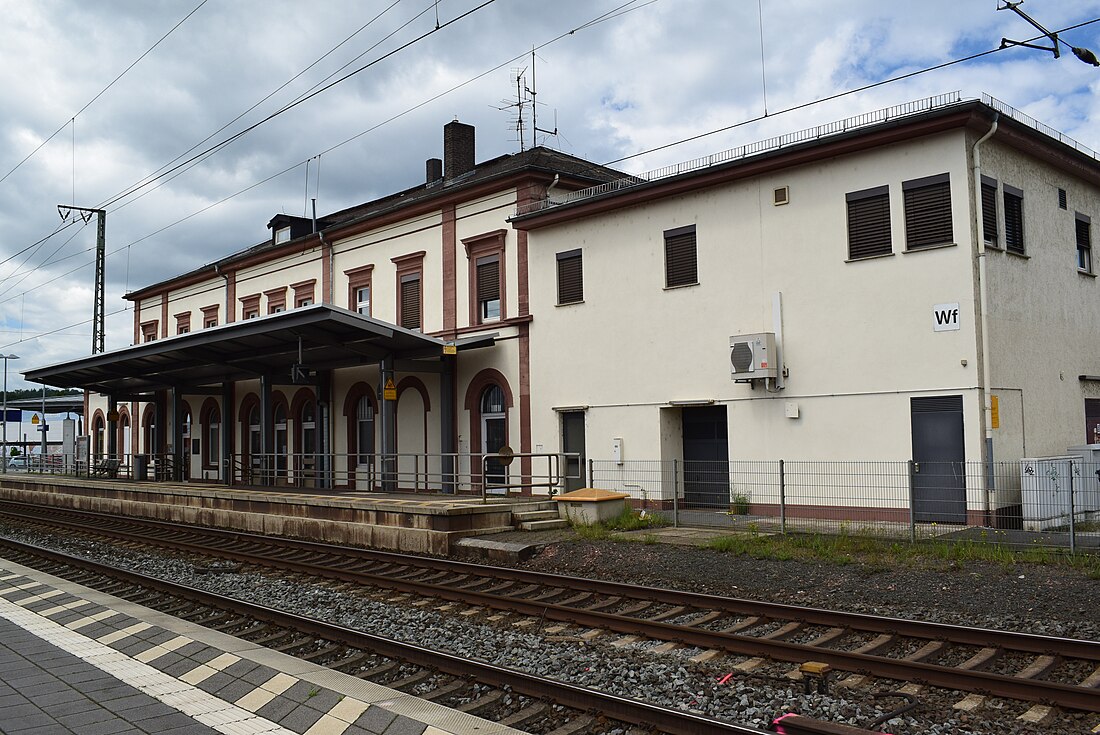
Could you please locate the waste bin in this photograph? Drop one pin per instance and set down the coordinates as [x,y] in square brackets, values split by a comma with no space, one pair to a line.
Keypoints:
[141,466]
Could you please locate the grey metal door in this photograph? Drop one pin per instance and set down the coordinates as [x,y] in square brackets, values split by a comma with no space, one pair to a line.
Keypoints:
[706,457]
[572,442]
[939,469]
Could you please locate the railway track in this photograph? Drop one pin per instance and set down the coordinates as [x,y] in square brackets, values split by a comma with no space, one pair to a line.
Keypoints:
[430,673]
[1055,671]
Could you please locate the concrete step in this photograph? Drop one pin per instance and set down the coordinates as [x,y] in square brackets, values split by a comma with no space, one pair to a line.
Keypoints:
[534,515]
[543,525]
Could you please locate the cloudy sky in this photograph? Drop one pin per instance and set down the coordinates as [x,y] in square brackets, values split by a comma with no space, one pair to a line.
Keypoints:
[122,105]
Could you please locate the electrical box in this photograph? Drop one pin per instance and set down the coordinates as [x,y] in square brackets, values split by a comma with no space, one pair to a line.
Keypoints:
[753,357]
[617,450]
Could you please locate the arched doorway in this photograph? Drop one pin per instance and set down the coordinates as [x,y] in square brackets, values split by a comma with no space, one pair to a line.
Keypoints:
[280,443]
[364,447]
[494,432]
[98,436]
[307,444]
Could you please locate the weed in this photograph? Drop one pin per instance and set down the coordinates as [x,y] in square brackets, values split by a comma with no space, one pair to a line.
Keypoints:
[739,504]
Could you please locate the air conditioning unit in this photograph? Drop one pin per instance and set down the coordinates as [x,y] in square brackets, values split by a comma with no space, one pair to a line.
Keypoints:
[753,357]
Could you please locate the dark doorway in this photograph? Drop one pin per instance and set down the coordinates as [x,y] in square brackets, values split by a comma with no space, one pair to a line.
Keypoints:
[939,460]
[572,442]
[706,457]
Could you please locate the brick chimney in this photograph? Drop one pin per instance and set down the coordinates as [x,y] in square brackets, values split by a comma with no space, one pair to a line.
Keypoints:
[458,149]
[433,170]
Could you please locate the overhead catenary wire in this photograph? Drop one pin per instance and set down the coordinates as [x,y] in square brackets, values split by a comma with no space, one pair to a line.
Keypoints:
[101,92]
[616,12]
[606,16]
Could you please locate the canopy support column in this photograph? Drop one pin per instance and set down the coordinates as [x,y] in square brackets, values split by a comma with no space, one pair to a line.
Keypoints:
[179,453]
[388,403]
[112,428]
[267,432]
[447,442]
[227,472]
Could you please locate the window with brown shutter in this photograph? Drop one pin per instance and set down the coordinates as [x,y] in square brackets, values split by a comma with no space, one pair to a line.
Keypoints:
[989,211]
[680,258]
[410,301]
[927,212]
[869,223]
[570,277]
[488,287]
[1084,243]
[1014,219]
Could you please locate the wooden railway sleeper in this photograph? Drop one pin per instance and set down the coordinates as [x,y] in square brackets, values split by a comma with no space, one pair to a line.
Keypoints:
[604,604]
[548,594]
[670,613]
[482,703]
[322,652]
[411,680]
[576,599]
[636,608]
[528,714]
[576,726]
[746,623]
[446,690]
[379,671]
[709,617]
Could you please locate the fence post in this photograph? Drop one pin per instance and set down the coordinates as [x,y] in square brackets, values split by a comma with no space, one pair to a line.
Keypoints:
[590,483]
[782,499]
[912,515]
[1072,527]
[675,494]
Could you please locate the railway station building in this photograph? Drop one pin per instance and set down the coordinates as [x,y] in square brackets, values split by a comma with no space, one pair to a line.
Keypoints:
[915,284]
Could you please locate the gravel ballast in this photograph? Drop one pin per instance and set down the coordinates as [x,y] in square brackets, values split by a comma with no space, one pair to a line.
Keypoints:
[1038,599]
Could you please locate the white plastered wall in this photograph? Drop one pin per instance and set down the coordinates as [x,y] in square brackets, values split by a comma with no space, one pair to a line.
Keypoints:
[858,337]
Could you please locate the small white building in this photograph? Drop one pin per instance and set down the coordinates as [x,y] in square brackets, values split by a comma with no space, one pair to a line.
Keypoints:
[920,278]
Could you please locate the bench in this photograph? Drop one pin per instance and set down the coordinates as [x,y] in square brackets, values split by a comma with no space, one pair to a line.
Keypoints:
[107,467]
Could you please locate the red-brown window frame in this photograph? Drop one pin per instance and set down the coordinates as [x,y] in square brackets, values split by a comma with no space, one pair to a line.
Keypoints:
[359,278]
[304,290]
[149,331]
[250,305]
[183,322]
[276,297]
[409,267]
[480,248]
[209,314]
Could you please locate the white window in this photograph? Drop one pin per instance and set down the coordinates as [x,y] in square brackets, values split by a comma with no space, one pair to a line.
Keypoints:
[362,300]
[282,235]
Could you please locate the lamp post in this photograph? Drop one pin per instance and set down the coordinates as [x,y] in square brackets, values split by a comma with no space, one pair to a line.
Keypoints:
[4,464]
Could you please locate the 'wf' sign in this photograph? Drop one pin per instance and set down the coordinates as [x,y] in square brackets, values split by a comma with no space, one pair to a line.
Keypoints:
[945,317]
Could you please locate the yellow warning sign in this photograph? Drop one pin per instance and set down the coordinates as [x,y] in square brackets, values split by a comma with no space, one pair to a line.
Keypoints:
[389,393]
[994,413]
[34,419]
[450,350]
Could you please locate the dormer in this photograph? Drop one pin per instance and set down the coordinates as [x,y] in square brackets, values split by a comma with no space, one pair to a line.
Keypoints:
[285,228]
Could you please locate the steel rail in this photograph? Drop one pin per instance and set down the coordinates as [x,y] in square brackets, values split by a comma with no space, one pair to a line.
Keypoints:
[676,722]
[963,635]
[970,680]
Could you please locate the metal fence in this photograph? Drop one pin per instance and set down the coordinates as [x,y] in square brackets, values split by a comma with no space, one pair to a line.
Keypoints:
[486,475]
[1037,502]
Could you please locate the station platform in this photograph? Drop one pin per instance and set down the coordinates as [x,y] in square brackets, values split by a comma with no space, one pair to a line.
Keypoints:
[74,660]
[420,523]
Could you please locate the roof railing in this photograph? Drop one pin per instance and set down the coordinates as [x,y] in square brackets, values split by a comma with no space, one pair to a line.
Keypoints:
[778,142]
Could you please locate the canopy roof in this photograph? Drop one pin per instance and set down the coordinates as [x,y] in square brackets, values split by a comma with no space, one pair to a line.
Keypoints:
[317,337]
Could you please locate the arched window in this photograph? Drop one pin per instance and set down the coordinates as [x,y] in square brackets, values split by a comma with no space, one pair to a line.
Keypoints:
[98,434]
[494,431]
[149,435]
[308,433]
[124,436]
[212,423]
[186,422]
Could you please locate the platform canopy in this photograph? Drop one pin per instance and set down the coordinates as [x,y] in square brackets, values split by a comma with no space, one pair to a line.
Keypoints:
[286,347]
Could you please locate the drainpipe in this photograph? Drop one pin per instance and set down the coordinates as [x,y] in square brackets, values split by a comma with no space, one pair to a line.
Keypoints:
[983,301]
[218,270]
